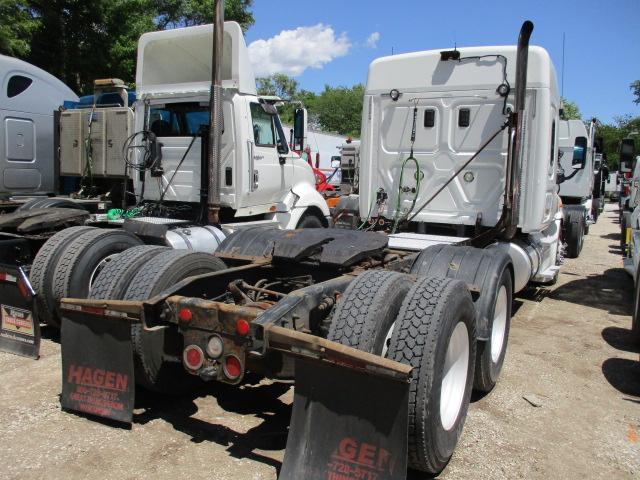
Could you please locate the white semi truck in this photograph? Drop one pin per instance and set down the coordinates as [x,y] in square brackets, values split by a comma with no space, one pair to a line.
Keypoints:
[577,163]
[260,181]
[387,327]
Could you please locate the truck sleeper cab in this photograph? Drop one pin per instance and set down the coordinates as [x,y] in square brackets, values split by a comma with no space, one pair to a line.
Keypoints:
[462,99]
[28,98]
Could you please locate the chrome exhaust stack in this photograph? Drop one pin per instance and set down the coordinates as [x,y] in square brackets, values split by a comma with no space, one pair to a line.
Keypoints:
[215,117]
[516,133]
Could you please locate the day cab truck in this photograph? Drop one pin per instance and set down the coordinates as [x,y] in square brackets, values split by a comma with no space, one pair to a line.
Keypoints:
[261,181]
[386,327]
[577,164]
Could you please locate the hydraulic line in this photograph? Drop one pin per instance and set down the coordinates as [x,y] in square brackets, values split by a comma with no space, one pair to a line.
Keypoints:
[396,217]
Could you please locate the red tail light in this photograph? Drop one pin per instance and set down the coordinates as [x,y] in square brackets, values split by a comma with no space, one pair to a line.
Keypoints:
[232,367]
[242,327]
[193,357]
[185,315]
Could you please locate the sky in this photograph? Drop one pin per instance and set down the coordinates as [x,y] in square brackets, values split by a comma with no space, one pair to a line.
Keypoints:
[332,42]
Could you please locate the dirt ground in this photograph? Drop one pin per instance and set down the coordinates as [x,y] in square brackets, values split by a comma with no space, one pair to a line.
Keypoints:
[569,354]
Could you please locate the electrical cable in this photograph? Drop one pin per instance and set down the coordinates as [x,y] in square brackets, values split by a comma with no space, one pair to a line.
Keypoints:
[505,80]
[457,172]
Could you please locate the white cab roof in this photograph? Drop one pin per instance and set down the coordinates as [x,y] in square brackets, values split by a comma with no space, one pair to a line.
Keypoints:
[46,93]
[179,61]
[425,71]
[569,131]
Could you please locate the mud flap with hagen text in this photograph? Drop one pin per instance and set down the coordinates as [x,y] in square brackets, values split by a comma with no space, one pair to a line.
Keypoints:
[97,363]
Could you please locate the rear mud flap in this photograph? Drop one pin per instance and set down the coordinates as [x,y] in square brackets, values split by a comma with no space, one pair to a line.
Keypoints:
[19,332]
[346,425]
[97,366]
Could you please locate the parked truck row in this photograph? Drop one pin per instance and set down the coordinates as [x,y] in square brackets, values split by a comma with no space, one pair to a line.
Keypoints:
[388,319]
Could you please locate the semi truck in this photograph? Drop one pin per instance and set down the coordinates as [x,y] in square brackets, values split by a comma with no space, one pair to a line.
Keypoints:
[386,327]
[166,157]
[27,102]
[577,164]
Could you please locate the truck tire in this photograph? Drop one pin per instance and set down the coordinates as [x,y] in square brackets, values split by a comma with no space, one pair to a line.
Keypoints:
[82,258]
[625,222]
[595,209]
[435,334]
[490,271]
[635,320]
[574,232]
[152,371]
[46,202]
[42,271]
[364,317]
[309,220]
[112,282]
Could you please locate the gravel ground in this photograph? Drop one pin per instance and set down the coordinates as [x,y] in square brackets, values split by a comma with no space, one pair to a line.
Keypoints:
[569,355]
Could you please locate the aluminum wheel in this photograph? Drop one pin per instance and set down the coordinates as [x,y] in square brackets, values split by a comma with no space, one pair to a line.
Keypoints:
[454,378]
[99,268]
[387,340]
[499,324]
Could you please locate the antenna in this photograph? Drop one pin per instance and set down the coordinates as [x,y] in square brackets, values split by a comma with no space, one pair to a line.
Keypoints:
[562,74]
[391,50]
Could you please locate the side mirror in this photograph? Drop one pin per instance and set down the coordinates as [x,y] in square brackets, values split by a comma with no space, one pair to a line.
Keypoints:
[579,153]
[299,129]
[336,162]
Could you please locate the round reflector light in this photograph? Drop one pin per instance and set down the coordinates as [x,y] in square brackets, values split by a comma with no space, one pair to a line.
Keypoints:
[193,357]
[242,326]
[232,367]
[215,347]
[185,315]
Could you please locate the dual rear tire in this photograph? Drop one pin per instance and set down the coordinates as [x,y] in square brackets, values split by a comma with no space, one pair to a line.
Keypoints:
[68,263]
[428,323]
[139,274]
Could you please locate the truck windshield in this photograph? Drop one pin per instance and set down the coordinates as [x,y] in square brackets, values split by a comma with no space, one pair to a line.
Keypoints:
[178,119]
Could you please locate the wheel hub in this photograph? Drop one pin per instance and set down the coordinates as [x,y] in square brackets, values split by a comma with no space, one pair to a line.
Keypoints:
[454,377]
[499,324]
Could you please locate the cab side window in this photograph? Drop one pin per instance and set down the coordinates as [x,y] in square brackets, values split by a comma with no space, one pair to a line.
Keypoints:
[262,122]
[17,84]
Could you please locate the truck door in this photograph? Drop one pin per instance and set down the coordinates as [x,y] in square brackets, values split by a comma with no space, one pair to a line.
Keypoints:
[270,171]
[24,161]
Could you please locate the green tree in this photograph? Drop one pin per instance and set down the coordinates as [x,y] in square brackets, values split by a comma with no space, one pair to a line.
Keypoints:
[635,88]
[79,41]
[16,27]
[277,84]
[186,13]
[622,127]
[339,109]
[570,110]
